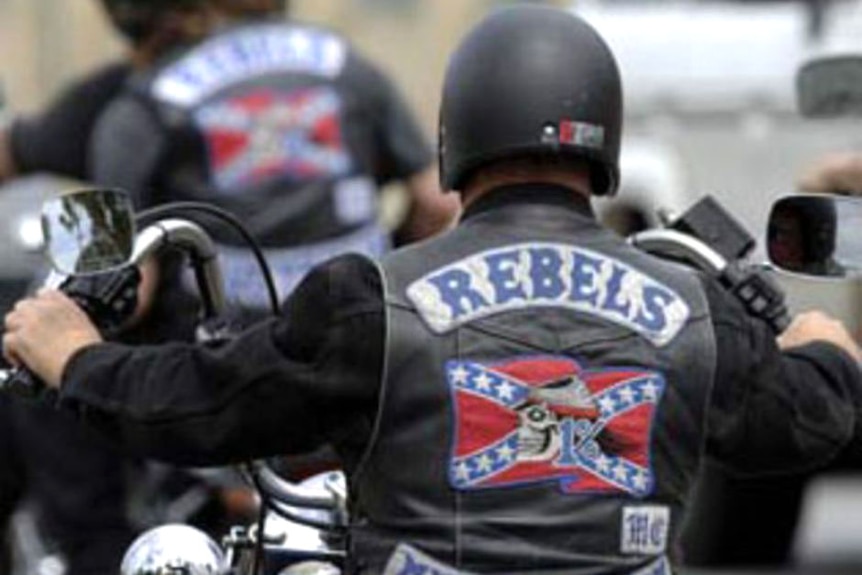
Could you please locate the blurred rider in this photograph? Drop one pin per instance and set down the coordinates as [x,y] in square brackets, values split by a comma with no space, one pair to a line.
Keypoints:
[283,124]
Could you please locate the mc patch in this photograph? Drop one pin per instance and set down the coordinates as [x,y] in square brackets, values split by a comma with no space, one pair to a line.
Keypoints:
[537,419]
[645,529]
[267,135]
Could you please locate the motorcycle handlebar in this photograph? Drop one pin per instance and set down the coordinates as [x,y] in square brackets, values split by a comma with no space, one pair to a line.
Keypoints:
[195,241]
[288,493]
[759,293]
[679,245]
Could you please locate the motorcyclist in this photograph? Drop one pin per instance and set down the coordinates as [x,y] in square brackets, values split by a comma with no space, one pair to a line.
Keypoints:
[524,394]
[283,124]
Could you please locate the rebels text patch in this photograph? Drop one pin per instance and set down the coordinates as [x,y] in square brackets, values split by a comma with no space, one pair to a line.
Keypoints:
[548,275]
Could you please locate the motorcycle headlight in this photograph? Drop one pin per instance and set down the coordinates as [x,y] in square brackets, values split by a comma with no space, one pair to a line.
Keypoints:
[174,550]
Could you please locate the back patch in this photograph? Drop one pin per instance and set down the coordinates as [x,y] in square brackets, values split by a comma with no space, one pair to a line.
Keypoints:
[266,135]
[533,275]
[538,419]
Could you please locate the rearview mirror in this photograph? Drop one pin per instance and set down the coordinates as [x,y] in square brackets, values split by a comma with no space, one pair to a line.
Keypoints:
[88,231]
[830,87]
[816,235]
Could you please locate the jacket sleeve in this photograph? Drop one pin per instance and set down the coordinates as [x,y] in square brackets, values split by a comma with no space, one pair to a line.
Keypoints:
[126,148]
[400,146]
[773,411]
[55,139]
[285,386]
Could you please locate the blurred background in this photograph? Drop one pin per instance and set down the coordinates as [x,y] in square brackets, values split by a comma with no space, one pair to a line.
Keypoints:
[709,83]
[44,43]
[710,109]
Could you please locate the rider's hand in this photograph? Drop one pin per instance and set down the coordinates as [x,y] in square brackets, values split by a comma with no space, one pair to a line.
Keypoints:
[43,333]
[814,326]
[839,172]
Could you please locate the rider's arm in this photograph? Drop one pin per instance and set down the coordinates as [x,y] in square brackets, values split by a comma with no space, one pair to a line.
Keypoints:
[775,411]
[126,147]
[430,211]
[55,140]
[285,386]
[403,154]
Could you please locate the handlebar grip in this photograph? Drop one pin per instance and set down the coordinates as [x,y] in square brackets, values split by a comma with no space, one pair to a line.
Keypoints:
[761,295]
[781,322]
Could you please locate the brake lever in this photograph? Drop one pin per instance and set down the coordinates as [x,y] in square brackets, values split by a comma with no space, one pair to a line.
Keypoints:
[109,299]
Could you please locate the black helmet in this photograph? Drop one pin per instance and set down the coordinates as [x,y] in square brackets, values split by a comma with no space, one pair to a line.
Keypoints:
[531,81]
[136,19]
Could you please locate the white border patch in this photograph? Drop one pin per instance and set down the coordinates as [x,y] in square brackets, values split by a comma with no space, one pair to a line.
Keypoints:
[407,560]
[548,275]
[245,54]
[645,529]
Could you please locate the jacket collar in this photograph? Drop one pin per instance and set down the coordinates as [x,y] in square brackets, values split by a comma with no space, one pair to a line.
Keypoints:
[530,194]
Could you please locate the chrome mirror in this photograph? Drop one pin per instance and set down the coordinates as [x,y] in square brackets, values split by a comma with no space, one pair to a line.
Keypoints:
[816,235]
[88,231]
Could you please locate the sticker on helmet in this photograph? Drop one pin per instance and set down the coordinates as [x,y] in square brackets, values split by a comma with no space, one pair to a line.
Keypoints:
[582,134]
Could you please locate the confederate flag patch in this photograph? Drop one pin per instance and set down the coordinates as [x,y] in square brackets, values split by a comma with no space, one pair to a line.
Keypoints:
[265,135]
[537,419]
